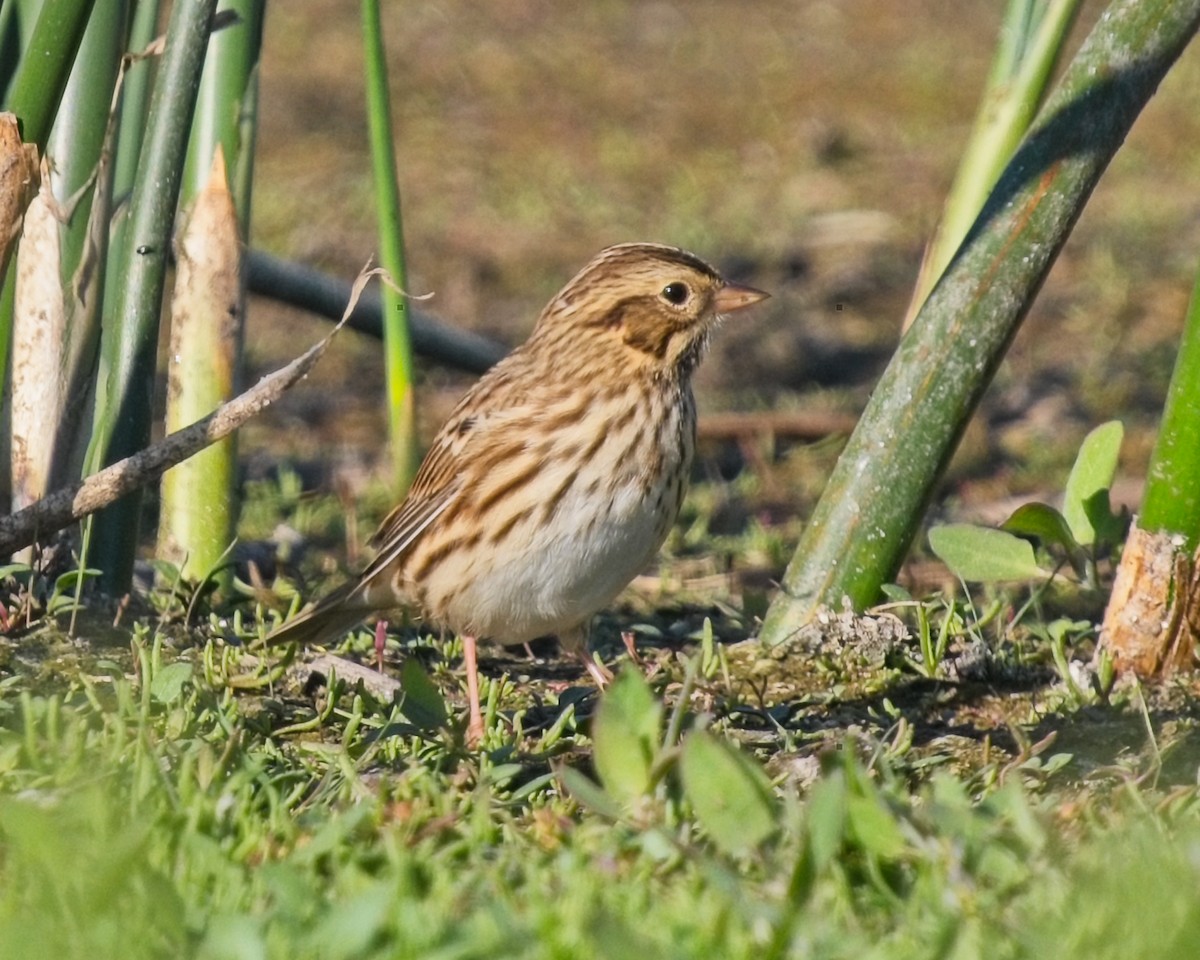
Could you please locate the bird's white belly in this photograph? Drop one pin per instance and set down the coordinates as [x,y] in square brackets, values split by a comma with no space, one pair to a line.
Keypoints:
[563,572]
[563,542]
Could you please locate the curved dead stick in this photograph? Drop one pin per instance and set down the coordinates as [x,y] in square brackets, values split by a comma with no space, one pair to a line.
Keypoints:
[64,507]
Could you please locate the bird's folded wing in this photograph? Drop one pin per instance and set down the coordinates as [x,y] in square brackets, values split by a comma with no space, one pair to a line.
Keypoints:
[405,524]
[437,484]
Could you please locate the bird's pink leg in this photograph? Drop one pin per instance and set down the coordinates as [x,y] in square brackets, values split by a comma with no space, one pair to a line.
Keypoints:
[475,723]
[380,643]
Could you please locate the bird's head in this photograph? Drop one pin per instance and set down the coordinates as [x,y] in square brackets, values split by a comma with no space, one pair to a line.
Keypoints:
[648,305]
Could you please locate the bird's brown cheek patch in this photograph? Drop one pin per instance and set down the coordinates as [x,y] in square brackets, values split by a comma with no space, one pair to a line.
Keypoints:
[652,342]
[647,330]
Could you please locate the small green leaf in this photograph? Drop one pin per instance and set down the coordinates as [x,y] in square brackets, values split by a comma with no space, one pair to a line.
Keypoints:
[626,733]
[356,925]
[423,704]
[530,787]
[825,818]
[1095,466]
[1110,527]
[874,827]
[166,572]
[502,773]
[167,685]
[729,792]
[1044,522]
[984,554]
[589,793]
[1062,628]
[67,581]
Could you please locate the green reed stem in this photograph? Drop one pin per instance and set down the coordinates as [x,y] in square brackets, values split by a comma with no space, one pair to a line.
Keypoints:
[1171,503]
[124,390]
[83,170]
[875,499]
[42,76]
[198,506]
[398,357]
[1031,42]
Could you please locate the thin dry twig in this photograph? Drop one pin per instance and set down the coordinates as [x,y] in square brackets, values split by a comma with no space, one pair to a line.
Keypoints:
[64,507]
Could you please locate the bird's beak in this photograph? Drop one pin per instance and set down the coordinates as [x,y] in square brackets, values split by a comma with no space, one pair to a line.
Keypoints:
[735,296]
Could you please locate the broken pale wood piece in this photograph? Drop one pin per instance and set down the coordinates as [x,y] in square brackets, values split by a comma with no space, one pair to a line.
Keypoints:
[379,685]
[18,183]
[1152,619]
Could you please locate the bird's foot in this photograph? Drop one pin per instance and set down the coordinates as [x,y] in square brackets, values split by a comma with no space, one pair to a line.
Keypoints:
[630,647]
[598,672]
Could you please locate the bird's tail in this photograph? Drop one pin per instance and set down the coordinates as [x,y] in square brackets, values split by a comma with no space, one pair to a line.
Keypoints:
[333,615]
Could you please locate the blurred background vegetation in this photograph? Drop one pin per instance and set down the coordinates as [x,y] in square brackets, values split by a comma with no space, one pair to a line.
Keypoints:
[807,148]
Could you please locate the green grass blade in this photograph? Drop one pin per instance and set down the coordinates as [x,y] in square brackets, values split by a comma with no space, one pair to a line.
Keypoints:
[397,341]
[873,504]
[123,401]
[1171,503]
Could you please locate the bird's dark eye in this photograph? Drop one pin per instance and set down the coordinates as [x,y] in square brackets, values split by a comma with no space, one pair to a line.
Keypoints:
[675,293]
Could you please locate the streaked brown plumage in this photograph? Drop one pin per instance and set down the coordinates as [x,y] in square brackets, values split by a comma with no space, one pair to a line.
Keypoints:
[556,478]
